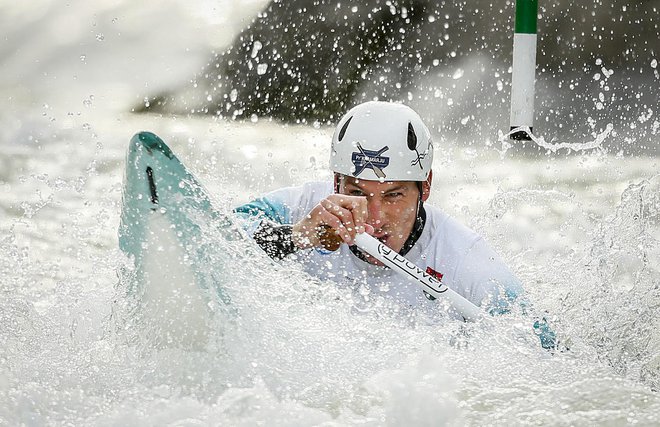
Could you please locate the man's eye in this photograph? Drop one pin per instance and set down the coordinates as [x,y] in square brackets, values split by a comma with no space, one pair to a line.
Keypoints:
[393,195]
[355,193]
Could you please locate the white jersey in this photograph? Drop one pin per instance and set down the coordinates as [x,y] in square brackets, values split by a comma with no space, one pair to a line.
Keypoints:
[451,252]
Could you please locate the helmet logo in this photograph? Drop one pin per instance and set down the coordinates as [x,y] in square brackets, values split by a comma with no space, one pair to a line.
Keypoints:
[342,132]
[412,145]
[370,159]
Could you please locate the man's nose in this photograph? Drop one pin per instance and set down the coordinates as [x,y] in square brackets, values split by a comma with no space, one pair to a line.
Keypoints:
[374,207]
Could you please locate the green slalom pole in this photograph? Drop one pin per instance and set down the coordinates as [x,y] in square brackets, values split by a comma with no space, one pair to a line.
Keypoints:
[524,68]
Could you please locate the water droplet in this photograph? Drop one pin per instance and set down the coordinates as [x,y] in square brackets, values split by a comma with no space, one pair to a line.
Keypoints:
[256,47]
[100,37]
[654,63]
[261,69]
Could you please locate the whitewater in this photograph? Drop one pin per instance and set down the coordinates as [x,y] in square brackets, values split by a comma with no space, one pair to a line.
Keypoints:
[577,223]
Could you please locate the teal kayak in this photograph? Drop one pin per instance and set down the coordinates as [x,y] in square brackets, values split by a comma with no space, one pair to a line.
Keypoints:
[169,232]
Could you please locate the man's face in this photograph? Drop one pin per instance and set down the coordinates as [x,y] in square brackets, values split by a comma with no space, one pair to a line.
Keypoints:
[392,207]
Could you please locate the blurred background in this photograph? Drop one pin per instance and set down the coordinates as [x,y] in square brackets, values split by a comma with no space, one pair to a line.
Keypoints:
[301,61]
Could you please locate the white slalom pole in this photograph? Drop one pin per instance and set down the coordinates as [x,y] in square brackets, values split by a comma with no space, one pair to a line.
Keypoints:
[428,283]
[524,68]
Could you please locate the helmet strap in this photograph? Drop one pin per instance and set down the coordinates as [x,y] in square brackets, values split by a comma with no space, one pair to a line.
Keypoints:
[418,226]
[337,182]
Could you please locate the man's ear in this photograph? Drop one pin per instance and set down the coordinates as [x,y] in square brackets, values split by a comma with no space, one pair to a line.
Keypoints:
[426,187]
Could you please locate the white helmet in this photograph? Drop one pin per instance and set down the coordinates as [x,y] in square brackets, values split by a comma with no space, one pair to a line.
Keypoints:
[382,141]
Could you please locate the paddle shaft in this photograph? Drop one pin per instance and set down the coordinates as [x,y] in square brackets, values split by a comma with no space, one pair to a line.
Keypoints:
[412,272]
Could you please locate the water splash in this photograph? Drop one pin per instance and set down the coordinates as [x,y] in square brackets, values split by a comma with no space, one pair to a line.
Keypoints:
[596,144]
[615,307]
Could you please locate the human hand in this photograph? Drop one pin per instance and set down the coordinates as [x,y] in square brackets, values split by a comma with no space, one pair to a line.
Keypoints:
[336,219]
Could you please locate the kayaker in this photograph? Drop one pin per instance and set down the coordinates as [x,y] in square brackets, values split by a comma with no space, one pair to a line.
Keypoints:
[381,156]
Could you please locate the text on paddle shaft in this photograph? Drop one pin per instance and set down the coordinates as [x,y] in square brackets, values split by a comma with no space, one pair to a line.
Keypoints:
[411,269]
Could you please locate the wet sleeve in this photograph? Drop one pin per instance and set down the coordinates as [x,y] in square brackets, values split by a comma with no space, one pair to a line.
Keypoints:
[268,220]
[274,207]
[487,281]
[269,208]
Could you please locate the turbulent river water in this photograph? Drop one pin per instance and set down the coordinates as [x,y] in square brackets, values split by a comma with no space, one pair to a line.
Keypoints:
[581,231]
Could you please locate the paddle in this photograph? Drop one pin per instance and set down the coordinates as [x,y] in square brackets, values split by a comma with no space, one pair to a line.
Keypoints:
[434,287]
[409,270]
